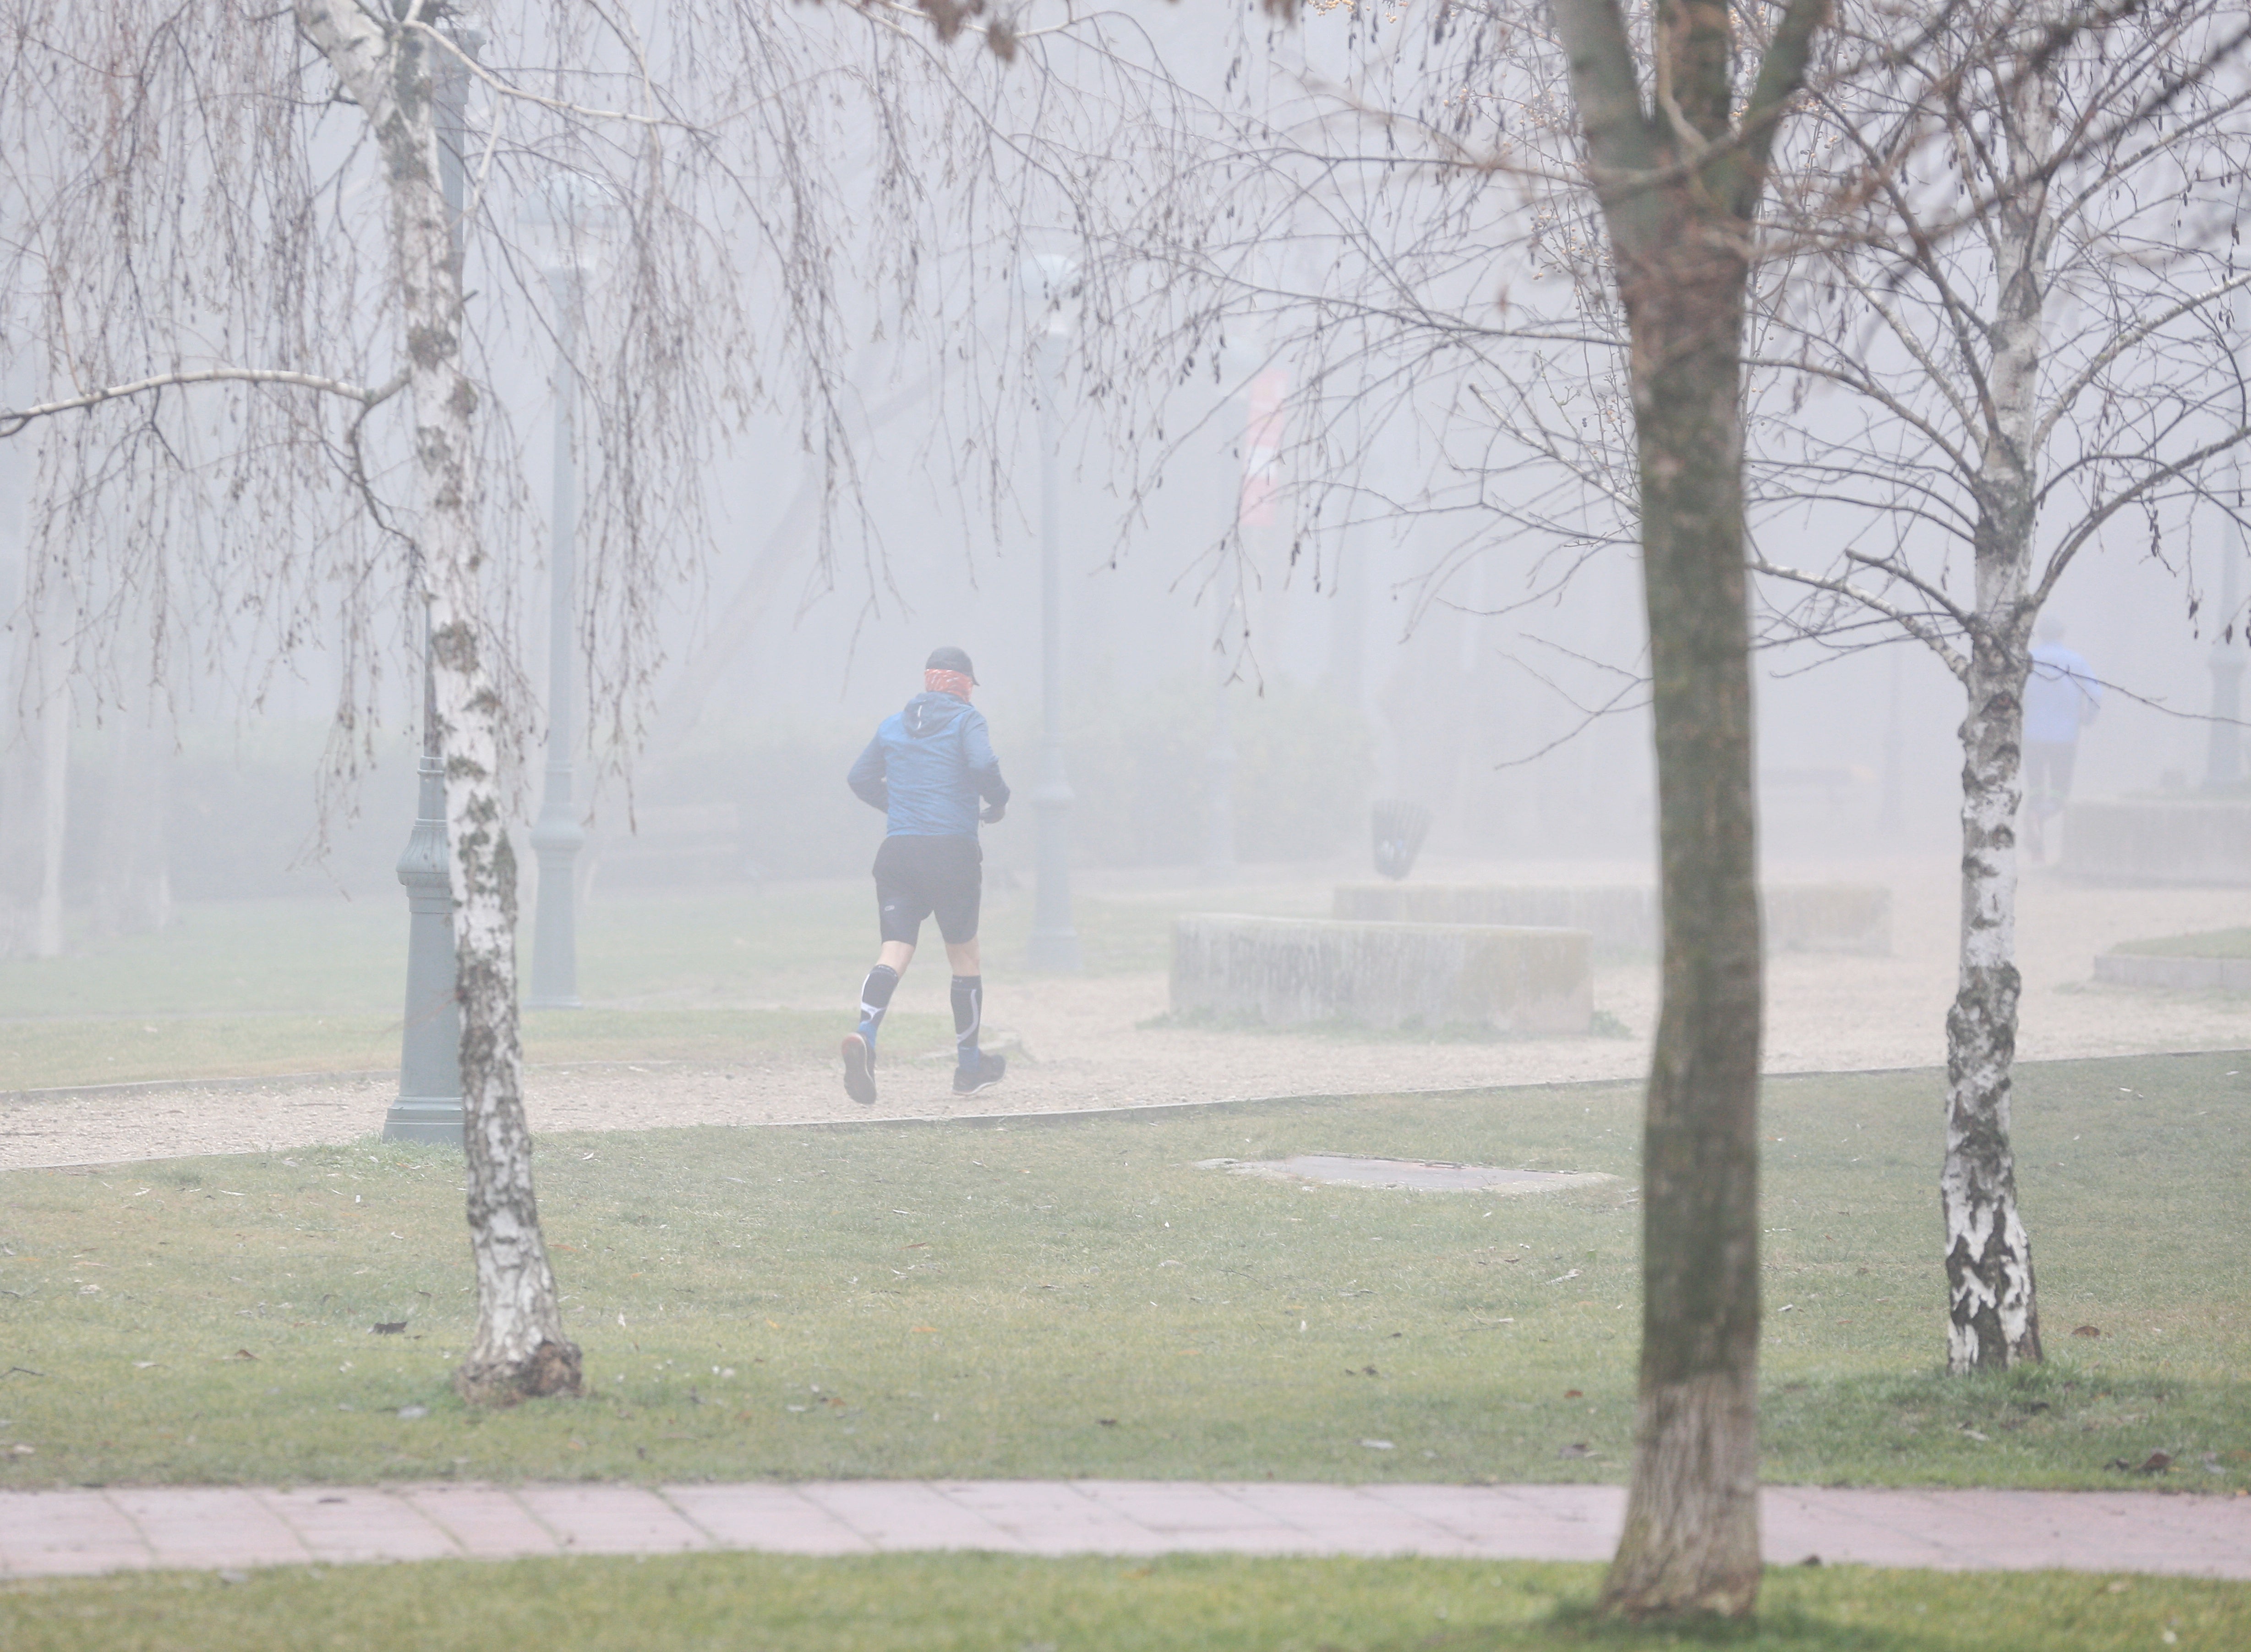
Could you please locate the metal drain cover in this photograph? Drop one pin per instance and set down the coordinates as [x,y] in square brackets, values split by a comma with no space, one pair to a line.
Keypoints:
[1421,1175]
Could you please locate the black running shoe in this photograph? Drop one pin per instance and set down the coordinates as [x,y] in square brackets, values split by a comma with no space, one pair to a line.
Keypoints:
[860,1070]
[983,1075]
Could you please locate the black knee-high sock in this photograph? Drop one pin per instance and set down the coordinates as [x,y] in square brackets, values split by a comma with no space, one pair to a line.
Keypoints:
[968,1014]
[875,999]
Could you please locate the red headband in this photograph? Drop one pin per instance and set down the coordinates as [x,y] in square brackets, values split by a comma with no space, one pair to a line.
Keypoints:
[954,683]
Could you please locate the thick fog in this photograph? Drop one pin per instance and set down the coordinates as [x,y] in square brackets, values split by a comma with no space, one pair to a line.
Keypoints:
[1402,655]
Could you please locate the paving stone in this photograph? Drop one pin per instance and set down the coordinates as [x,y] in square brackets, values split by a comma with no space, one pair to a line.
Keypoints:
[1189,1515]
[209,1526]
[1052,1518]
[612,1519]
[486,1520]
[904,1514]
[775,1518]
[53,1532]
[354,1523]
[1528,1523]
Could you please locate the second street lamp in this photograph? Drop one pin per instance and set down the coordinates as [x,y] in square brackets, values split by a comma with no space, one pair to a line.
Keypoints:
[1051,282]
[557,837]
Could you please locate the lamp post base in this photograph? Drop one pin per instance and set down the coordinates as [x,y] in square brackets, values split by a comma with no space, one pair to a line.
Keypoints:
[426,1120]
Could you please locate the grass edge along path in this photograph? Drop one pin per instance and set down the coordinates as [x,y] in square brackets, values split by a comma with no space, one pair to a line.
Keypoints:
[997,1603]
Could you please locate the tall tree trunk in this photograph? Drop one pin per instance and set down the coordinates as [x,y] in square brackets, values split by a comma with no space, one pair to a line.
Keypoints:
[1992,1312]
[1680,181]
[519,1347]
[1691,1542]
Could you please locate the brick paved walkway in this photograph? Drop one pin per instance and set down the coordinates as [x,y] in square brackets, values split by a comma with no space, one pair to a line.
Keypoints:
[92,1530]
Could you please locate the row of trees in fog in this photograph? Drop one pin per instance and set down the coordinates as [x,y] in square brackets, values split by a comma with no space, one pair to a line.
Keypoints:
[1878,316]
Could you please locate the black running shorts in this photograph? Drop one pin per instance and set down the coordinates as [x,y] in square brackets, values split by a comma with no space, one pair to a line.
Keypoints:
[917,877]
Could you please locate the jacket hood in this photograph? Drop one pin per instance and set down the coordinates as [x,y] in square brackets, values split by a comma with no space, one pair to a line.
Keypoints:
[931,713]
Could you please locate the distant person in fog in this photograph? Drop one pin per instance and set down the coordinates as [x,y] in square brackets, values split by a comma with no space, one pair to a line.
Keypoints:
[927,767]
[2061,696]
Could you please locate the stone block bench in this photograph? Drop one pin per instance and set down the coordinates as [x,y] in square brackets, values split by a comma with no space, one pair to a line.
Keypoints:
[1622,918]
[1304,971]
[2144,840]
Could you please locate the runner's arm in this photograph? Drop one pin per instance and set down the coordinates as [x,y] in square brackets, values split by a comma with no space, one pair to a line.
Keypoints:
[866,779]
[984,766]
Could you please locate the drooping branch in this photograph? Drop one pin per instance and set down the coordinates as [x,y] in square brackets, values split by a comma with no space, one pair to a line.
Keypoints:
[13,420]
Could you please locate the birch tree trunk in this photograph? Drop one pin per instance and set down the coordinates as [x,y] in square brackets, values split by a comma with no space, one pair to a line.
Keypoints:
[1679,184]
[388,67]
[1992,1313]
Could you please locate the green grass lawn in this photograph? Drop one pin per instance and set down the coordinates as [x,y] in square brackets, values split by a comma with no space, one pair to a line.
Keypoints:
[2210,943]
[1077,1298]
[251,988]
[988,1603]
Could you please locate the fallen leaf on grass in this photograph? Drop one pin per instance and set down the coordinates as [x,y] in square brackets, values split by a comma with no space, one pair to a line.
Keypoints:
[2087,1330]
[1577,1448]
[1573,1394]
[389,1328]
[1107,1422]
[242,1353]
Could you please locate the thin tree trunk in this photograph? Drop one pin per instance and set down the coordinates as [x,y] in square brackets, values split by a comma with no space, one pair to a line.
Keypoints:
[519,1349]
[1992,1310]
[1993,1314]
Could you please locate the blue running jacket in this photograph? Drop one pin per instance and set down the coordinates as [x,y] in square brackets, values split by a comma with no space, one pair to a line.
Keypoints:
[928,766]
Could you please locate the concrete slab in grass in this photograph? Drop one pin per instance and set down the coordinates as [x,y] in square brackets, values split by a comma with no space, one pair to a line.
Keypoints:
[1310,971]
[1419,1175]
[2180,974]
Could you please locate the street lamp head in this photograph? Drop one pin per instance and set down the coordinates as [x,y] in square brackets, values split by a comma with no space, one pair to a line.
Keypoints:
[576,215]
[1051,285]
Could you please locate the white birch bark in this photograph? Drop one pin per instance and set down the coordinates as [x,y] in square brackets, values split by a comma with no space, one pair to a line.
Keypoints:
[1994,1317]
[519,1347]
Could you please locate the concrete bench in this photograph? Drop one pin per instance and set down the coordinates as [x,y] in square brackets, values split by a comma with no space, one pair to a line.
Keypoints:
[1305,971]
[1622,918]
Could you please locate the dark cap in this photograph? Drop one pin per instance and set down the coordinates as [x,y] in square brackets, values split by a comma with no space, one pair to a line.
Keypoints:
[950,660]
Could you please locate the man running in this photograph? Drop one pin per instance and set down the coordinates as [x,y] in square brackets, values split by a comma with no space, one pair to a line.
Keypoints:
[926,769]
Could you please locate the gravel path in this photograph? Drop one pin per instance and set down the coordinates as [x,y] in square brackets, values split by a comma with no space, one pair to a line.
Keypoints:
[1076,1044]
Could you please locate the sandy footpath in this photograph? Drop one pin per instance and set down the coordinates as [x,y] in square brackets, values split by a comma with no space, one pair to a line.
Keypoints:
[1075,1044]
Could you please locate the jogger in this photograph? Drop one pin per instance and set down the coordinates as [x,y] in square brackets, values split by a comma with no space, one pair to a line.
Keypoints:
[926,768]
